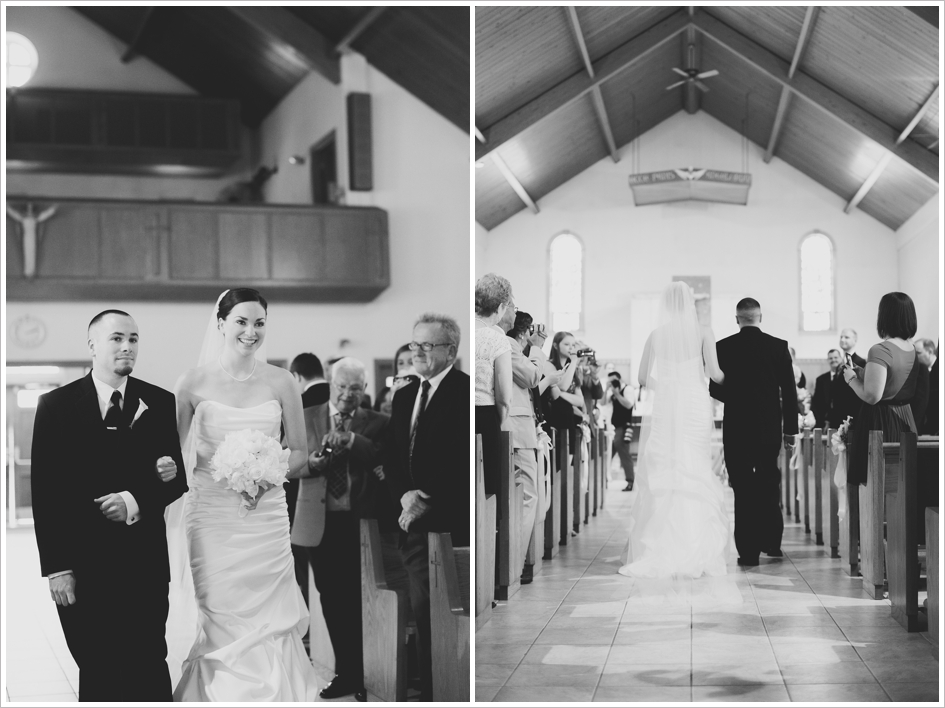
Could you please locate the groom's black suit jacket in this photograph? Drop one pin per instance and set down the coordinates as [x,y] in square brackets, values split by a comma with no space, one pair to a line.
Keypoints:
[75,460]
[759,393]
[440,455]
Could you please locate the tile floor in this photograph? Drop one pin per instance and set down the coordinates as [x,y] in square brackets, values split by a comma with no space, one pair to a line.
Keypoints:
[793,629]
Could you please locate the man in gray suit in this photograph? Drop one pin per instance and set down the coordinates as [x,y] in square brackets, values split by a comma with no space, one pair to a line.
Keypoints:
[342,488]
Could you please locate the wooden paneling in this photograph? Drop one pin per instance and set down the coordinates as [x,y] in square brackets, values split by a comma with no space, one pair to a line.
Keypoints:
[194,248]
[130,243]
[298,249]
[578,144]
[243,247]
[350,249]
[884,59]
[606,28]
[69,245]
[496,201]
[897,195]
[774,28]
[521,52]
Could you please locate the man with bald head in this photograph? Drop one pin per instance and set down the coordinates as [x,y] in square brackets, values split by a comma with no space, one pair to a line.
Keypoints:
[346,444]
[760,410]
[843,401]
[927,353]
[106,461]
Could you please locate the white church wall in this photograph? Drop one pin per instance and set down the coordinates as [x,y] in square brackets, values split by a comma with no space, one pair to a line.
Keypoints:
[747,250]
[75,53]
[919,243]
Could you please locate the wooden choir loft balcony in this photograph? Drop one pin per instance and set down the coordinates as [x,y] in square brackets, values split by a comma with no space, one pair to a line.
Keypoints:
[99,132]
[186,251]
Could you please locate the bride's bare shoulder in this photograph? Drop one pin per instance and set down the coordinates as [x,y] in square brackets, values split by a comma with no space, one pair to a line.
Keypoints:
[192,379]
[276,377]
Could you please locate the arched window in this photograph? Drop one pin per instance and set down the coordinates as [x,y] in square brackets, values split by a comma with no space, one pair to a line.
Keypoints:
[817,283]
[22,60]
[566,278]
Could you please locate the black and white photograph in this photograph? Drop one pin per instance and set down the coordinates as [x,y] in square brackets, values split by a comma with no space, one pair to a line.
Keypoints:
[221,223]
[708,252]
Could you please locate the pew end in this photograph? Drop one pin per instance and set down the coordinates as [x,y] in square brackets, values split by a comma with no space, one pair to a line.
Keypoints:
[485,544]
[449,619]
[932,572]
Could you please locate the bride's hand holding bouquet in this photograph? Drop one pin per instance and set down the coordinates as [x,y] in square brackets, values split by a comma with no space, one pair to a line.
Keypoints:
[252,463]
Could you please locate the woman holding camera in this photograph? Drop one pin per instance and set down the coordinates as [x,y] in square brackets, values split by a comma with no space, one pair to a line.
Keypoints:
[493,371]
[564,404]
[893,386]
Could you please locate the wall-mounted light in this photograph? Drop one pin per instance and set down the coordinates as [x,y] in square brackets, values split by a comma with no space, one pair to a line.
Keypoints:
[297,160]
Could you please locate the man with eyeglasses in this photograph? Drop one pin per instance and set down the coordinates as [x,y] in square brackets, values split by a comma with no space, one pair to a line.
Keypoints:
[346,443]
[427,465]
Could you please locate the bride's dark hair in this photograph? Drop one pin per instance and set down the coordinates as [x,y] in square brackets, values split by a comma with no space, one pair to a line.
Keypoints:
[237,295]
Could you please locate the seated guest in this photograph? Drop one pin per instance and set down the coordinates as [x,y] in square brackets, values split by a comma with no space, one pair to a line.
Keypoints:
[891,386]
[493,371]
[820,401]
[928,357]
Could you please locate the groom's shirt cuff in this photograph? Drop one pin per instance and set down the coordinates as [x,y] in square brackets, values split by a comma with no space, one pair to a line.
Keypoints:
[56,575]
[132,505]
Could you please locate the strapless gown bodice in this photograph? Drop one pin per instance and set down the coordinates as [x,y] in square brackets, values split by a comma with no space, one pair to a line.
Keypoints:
[250,611]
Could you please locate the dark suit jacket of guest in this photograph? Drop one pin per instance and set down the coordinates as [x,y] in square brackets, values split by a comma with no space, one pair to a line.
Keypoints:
[820,401]
[843,401]
[930,424]
[75,460]
[440,455]
[759,393]
[314,395]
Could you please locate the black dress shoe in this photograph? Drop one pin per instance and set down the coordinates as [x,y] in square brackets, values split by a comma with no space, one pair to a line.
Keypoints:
[337,688]
[628,488]
[748,561]
[775,553]
[361,696]
[528,574]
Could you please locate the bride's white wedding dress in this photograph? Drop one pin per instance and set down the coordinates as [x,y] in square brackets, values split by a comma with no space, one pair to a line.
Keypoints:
[250,610]
[679,524]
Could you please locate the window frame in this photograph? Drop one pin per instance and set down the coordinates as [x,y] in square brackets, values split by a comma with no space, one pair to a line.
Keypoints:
[548,294]
[832,329]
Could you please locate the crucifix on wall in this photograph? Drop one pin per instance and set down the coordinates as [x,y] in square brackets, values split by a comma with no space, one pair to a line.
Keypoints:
[29,222]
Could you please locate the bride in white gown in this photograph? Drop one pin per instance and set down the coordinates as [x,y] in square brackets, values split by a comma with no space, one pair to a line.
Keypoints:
[250,615]
[679,526]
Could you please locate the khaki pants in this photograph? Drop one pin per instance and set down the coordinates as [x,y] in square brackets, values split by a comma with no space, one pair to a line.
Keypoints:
[525,460]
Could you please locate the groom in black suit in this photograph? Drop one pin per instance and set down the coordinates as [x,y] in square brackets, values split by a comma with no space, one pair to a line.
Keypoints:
[760,397]
[427,464]
[105,464]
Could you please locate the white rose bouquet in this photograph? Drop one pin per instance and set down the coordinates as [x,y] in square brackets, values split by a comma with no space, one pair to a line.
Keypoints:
[247,459]
[838,445]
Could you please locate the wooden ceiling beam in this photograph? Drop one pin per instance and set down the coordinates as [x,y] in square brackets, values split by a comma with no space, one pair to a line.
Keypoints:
[132,50]
[810,17]
[358,29]
[868,184]
[918,116]
[479,135]
[929,13]
[830,102]
[513,182]
[599,106]
[309,45]
[578,85]
[783,103]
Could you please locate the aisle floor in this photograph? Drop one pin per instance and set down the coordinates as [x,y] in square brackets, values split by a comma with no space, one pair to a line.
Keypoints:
[803,631]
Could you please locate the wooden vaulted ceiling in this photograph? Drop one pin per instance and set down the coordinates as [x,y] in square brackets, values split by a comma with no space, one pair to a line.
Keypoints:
[847,95]
[258,54]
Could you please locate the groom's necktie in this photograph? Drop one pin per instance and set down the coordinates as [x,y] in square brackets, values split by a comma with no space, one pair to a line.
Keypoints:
[424,396]
[113,414]
[338,476]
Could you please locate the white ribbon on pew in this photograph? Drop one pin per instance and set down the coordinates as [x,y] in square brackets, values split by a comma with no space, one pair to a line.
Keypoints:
[795,464]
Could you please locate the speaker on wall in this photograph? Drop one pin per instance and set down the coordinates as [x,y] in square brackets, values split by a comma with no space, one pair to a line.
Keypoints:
[360,157]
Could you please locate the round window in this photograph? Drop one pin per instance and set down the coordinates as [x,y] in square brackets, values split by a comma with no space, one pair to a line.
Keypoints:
[22,60]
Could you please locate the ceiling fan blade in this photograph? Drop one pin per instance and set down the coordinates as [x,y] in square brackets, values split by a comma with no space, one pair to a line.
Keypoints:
[672,86]
[680,72]
[702,86]
[707,74]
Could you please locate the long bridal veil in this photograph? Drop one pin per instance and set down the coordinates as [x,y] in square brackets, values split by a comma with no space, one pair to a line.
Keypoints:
[182,622]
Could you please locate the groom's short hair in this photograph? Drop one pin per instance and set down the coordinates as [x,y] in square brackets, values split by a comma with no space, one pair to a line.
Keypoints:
[101,315]
[748,308]
[308,366]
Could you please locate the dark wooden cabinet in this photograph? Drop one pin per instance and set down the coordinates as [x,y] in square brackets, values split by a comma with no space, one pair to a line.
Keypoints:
[100,132]
[106,250]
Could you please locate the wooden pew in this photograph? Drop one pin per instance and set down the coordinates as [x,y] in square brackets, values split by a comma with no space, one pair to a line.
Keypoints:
[872,516]
[804,464]
[593,491]
[817,476]
[850,531]
[567,487]
[449,619]
[786,487]
[830,497]
[383,622]
[902,472]
[932,572]
[605,443]
[577,489]
[510,522]
[553,517]
[485,544]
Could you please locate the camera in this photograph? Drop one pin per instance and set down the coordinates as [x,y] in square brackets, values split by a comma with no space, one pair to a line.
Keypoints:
[389,381]
[615,382]
[326,450]
[585,352]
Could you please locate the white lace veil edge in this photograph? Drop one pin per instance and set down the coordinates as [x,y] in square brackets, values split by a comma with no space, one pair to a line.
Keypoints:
[676,340]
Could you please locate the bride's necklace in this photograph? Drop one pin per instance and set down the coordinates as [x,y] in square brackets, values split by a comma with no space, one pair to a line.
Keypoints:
[220,361]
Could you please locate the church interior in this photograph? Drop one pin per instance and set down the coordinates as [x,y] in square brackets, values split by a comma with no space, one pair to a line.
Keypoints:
[788,154]
[159,155]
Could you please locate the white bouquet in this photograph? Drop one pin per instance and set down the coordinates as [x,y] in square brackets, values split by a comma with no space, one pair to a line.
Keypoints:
[248,458]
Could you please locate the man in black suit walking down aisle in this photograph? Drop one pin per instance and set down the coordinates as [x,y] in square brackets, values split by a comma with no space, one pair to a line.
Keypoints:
[760,405]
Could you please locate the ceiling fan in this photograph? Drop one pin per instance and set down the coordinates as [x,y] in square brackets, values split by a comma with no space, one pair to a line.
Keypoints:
[692,75]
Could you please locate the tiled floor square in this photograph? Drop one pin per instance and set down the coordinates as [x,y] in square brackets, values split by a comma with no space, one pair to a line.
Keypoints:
[767,693]
[643,694]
